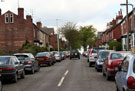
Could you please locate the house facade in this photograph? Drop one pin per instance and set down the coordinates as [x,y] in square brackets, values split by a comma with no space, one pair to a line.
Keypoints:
[15,30]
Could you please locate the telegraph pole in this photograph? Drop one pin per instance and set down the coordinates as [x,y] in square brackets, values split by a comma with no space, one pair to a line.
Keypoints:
[127,23]
[58,35]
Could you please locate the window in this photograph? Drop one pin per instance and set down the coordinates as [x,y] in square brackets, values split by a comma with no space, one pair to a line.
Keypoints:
[11,18]
[6,18]
[116,56]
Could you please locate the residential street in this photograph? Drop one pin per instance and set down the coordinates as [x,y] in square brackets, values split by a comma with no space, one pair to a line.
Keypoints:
[68,75]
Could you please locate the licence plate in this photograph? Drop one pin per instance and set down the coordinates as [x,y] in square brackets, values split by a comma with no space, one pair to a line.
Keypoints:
[0,70]
[41,59]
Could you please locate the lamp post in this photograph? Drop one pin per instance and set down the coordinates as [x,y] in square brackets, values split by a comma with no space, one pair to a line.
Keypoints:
[133,21]
[58,36]
[127,23]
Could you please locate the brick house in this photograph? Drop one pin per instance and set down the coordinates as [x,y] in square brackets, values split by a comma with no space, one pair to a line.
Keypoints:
[15,30]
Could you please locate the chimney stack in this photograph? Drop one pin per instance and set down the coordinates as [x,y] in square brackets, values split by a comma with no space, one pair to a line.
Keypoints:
[21,13]
[39,25]
[28,18]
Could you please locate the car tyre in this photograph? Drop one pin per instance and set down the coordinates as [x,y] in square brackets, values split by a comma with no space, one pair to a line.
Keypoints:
[103,72]
[38,69]
[15,78]
[32,71]
[23,75]
[107,77]
[90,65]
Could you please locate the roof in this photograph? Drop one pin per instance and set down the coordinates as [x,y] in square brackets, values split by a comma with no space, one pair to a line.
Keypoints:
[48,30]
[40,29]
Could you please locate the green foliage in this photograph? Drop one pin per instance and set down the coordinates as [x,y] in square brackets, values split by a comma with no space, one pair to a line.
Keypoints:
[32,48]
[114,45]
[72,35]
[88,36]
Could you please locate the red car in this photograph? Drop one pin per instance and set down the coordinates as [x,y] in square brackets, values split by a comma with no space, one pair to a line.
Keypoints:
[44,58]
[110,63]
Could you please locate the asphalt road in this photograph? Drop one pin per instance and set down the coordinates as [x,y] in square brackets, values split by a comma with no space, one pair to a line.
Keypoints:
[68,75]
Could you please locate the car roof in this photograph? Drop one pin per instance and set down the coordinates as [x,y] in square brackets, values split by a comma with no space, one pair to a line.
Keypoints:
[22,53]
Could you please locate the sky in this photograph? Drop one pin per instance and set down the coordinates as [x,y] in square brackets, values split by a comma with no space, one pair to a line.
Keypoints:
[81,12]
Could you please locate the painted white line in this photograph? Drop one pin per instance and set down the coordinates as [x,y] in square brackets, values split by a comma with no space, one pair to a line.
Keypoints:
[66,73]
[62,79]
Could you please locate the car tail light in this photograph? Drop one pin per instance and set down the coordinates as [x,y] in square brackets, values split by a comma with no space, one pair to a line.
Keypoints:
[131,82]
[7,69]
[29,62]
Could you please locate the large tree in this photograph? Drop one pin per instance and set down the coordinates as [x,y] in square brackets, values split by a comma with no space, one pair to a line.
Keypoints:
[88,36]
[71,34]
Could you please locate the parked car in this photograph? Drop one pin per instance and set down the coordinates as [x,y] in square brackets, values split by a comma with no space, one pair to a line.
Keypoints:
[29,61]
[92,57]
[125,77]
[11,68]
[44,58]
[53,57]
[62,55]
[58,57]
[74,54]
[101,57]
[110,63]
[1,86]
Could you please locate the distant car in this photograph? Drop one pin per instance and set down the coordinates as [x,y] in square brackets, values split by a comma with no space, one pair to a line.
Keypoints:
[29,61]
[92,57]
[101,57]
[74,54]
[44,58]
[125,77]
[58,57]
[112,61]
[11,68]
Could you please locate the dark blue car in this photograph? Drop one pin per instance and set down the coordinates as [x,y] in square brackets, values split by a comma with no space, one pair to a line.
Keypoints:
[101,56]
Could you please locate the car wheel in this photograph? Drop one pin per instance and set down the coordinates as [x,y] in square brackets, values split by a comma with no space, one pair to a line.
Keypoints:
[103,72]
[50,64]
[15,78]
[32,71]
[70,58]
[90,64]
[117,88]
[23,75]
[107,77]
[38,69]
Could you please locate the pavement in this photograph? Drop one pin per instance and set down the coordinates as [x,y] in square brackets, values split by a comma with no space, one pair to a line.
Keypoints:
[68,75]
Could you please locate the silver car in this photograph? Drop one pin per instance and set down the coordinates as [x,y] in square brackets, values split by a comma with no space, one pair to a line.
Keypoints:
[125,77]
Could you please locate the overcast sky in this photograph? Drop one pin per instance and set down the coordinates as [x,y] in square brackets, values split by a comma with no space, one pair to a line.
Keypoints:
[82,12]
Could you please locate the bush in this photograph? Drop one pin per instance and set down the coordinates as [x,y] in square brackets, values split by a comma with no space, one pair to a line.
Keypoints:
[115,46]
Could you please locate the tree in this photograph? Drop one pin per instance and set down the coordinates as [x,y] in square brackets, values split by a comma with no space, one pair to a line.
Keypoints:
[88,36]
[71,34]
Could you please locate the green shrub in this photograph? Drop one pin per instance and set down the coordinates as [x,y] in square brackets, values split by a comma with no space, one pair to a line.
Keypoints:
[114,45]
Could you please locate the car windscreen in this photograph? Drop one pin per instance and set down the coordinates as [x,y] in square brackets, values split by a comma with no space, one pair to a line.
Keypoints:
[22,57]
[41,55]
[103,54]
[4,60]
[73,51]
[116,56]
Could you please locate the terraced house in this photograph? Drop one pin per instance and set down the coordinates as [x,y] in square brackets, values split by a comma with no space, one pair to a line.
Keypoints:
[15,30]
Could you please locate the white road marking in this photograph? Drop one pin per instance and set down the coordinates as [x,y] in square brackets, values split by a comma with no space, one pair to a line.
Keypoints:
[66,73]
[62,79]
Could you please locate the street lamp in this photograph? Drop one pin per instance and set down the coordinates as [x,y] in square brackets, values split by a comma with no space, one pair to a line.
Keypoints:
[127,22]
[58,35]
[133,21]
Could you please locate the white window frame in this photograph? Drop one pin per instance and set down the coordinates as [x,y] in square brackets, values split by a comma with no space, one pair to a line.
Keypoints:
[6,17]
[11,18]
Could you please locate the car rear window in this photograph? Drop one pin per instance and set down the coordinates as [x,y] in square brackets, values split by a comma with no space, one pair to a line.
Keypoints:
[4,60]
[22,57]
[41,55]
[116,56]
[103,54]
[73,51]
